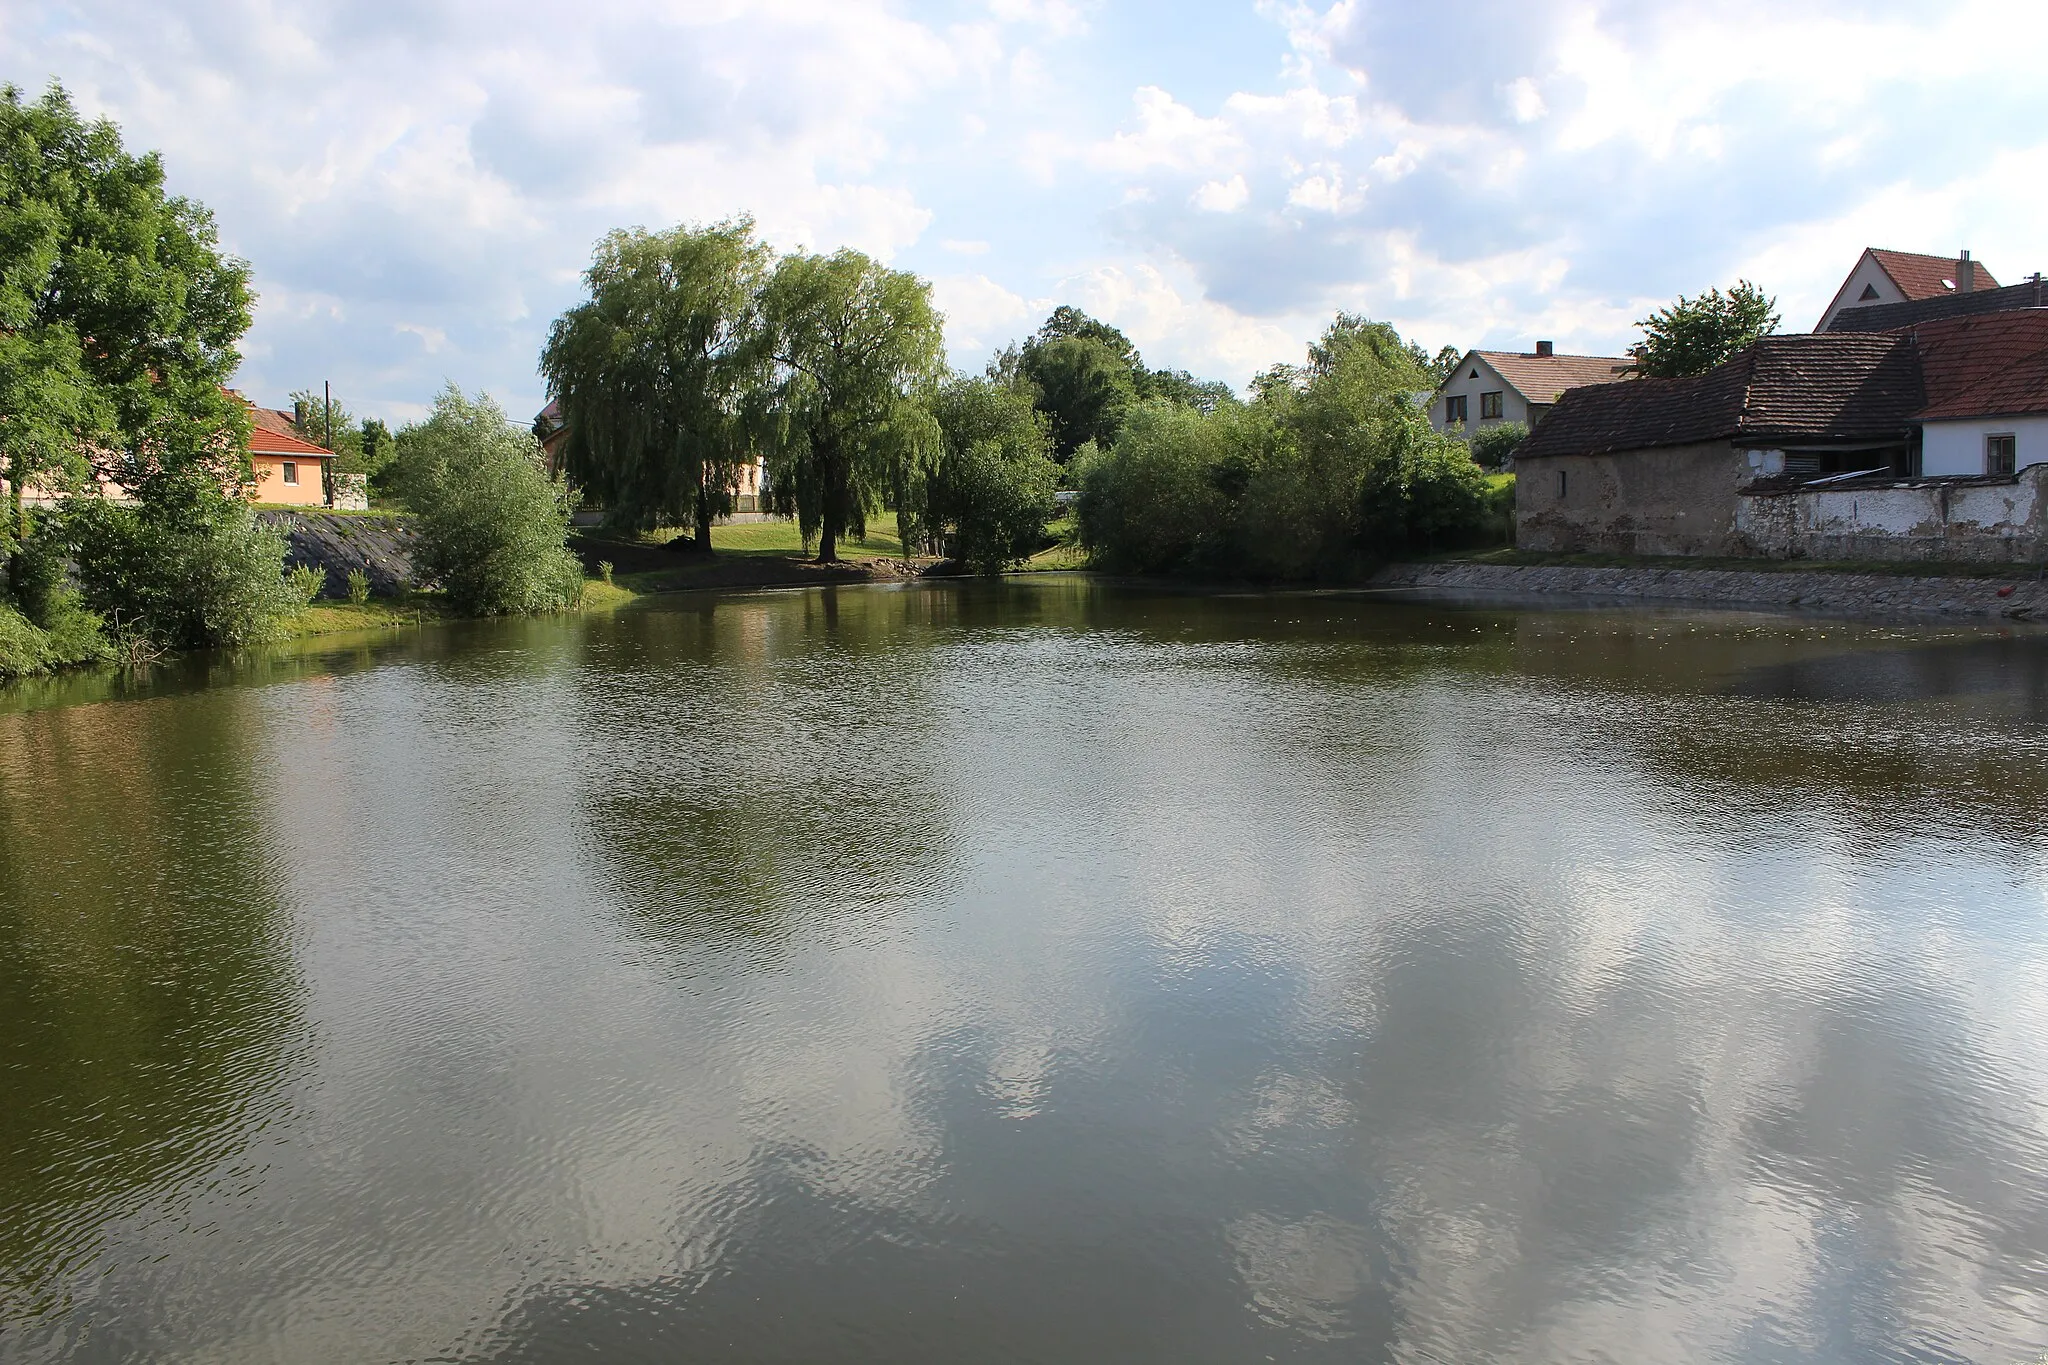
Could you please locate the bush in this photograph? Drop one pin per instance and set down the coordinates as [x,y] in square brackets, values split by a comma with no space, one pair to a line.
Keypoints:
[1422,493]
[493,528]
[186,566]
[1152,503]
[999,503]
[49,602]
[358,586]
[1491,446]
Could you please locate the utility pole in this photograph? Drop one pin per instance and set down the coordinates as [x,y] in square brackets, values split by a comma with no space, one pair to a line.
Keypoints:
[327,465]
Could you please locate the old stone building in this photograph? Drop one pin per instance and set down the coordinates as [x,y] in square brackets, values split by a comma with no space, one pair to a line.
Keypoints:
[1925,443]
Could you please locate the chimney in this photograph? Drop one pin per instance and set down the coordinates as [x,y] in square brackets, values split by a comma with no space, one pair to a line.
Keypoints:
[1966,274]
[299,414]
[1543,348]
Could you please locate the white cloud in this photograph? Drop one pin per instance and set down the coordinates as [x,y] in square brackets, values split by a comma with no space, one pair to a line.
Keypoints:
[980,314]
[964,248]
[1222,196]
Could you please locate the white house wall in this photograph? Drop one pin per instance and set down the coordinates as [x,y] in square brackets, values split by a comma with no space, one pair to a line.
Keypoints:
[1999,522]
[1867,272]
[1513,407]
[1958,447]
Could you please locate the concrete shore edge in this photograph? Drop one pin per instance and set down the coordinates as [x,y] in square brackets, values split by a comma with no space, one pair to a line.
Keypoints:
[2022,597]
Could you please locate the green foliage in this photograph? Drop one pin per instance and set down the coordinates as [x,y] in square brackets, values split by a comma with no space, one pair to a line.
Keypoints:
[604,571]
[1491,446]
[1086,374]
[1152,503]
[187,565]
[852,341]
[359,586]
[118,314]
[492,526]
[985,490]
[662,373]
[1694,335]
[1329,470]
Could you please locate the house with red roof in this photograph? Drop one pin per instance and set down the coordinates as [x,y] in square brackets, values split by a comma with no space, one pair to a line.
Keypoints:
[1882,277]
[1929,442]
[289,469]
[1491,387]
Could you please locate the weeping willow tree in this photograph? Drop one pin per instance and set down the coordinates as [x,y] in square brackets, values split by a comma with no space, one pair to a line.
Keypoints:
[853,344]
[660,374]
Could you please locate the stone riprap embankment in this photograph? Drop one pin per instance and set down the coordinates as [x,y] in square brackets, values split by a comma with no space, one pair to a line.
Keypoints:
[2021,597]
[380,546]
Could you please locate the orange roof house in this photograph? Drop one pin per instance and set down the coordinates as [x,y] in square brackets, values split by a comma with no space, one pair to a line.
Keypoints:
[1491,387]
[288,469]
[1882,276]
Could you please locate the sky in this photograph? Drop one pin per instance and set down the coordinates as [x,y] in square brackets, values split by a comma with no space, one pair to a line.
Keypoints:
[418,184]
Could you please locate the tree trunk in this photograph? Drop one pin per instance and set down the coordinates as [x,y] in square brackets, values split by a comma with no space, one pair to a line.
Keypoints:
[832,512]
[703,528]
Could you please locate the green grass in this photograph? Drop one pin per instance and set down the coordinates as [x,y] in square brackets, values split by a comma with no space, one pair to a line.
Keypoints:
[1064,555]
[779,537]
[384,613]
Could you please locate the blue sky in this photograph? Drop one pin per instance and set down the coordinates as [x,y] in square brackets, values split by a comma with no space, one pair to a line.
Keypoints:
[417,185]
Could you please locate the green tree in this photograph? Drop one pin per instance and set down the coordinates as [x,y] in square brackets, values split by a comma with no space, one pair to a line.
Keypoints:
[1084,387]
[493,527]
[1694,335]
[1153,503]
[188,564]
[852,341]
[119,315]
[661,373]
[1178,386]
[1491,446]
[987,490]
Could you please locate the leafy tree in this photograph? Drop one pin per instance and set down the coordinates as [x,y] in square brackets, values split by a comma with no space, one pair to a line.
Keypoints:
[852,342]
[659,372]
[1440,366]
[1491,446]
[1084,387]
[493,527]
[119,315]
[1152,503]
[1178,386]
[1068,322]
[987,489]
[187,564]
[312,418]
[1694,335]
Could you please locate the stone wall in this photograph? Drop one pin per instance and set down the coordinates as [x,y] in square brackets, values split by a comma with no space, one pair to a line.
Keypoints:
[1972,520]
[2025,596]
[1678,500]
[380,546]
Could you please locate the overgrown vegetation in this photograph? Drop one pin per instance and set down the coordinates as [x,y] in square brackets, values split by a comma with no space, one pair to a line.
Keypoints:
[1491,446]
[1694,335]
[1331,468]
[493,527]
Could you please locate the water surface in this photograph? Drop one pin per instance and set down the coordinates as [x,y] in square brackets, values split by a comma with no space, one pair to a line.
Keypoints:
[1044,971]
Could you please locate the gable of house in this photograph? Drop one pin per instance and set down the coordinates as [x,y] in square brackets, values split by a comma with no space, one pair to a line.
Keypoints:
[1881,277]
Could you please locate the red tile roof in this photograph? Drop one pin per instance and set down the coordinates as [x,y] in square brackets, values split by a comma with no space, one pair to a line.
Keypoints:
[1799,388]
[1541,378]
[1995,365]
[1928,277]
[271,433]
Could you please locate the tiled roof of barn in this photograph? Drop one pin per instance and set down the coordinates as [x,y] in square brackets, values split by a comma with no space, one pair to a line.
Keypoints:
[271,433]
[1790,388]
[1888,317]
[1989,366]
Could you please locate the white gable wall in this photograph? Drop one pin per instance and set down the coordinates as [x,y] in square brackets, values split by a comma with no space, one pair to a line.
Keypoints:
[1958,447]
[1513,406]
[1867,272]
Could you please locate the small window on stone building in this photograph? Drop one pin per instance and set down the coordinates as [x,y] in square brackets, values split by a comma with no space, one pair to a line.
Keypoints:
[1454,409]
[1489,405]
[291,471]
[1560,482]
[2001,453]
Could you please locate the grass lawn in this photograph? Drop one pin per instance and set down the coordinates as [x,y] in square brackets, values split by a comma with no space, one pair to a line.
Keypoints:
[384,613]
[1065,554]
[779,537]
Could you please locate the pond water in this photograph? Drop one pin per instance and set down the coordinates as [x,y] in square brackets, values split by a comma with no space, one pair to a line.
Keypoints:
[1044,971]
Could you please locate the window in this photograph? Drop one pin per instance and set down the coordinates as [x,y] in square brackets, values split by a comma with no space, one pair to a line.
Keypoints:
[1869,293]
[291,471]
[1454,409]
[2000,453]
[1560,483]
[1489,405]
